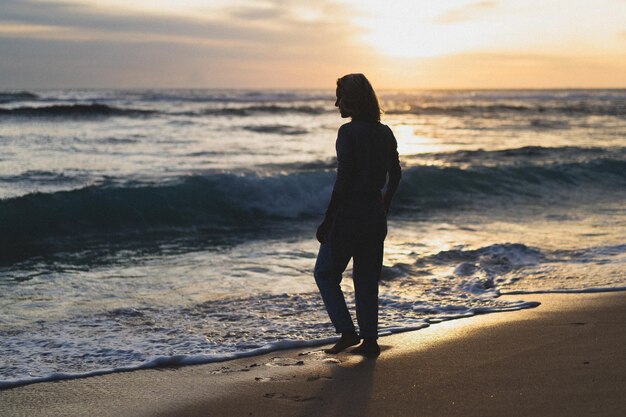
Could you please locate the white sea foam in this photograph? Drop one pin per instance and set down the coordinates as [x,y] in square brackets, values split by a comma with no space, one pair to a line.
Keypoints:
[566,290]
[136,338]
[174,360]
[196,359]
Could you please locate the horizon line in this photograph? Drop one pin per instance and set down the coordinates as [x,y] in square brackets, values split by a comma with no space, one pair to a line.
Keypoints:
[330,87]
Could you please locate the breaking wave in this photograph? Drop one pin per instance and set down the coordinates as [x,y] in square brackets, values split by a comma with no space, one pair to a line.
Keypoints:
[73,111]
[226,201]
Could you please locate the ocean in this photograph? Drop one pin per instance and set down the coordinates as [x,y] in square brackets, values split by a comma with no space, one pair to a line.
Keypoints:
[142,228]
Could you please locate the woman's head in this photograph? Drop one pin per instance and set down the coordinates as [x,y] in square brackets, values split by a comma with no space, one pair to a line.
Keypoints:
[356,98]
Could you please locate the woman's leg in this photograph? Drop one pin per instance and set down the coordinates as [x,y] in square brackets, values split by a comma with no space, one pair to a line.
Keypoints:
[332,260]
[368,260]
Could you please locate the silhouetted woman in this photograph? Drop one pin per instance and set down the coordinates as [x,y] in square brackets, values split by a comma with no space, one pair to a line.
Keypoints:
[355,225]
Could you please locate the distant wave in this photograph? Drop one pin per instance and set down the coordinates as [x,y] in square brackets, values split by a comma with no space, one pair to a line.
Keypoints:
[524,155]
[256,109]
[280,129]
[40,176]
[609,108]
[73,110]
[8,97]
[201,96]
[228,201]
[480,158]
[531,95]
[103,110]
[536,111]
[330,163]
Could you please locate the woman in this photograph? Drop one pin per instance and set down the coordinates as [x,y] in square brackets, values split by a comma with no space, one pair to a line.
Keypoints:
[355,224]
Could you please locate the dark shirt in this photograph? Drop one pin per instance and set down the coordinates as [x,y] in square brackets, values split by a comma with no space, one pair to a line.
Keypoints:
[366,153]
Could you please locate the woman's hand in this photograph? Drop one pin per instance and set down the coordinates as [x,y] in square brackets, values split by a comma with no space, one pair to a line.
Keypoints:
[386,203]
[323,230]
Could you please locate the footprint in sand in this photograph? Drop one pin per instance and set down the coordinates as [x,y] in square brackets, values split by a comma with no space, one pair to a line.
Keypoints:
[318,377]
[227,370]
[311,352]
[284,362]
[282,396]
[272,378]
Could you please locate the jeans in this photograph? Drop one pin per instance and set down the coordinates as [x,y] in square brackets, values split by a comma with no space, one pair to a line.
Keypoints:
[361,239]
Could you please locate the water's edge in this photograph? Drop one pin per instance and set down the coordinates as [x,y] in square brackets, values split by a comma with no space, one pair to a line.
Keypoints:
[185,360]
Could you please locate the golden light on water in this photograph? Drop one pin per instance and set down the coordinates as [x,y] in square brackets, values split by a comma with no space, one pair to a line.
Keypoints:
[410,144]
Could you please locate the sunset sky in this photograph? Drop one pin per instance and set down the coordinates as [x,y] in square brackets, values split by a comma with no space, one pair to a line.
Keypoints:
[309,43]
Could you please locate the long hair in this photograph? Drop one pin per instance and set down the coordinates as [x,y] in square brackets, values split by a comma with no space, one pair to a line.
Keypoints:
[358,98]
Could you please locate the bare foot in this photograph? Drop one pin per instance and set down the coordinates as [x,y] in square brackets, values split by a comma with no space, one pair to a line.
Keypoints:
[369,348]
[346,340]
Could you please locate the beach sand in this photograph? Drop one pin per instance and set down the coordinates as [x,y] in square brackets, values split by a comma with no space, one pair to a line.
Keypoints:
[566,357]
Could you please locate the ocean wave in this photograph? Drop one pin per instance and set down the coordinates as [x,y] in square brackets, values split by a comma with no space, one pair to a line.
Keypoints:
[535,112]
[482,269]
[509,254]
[73,111]
[226,201]
[279,129]
[435,186]
[525,155]
[530,156]
[8,97]
[532,95]
[203,96]
[41,177]
[103,110]
[214,202]
[257,109]
[315,165]
[575,108]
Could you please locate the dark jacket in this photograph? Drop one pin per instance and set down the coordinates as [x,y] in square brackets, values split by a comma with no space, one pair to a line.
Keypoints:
[367,153]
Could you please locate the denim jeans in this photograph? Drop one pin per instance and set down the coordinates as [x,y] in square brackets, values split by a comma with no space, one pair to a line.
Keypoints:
[362,239]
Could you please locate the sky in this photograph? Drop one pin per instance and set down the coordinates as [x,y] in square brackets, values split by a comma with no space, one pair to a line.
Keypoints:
[310,43]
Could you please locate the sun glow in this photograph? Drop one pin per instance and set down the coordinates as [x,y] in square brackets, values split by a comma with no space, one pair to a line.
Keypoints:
[414,29]
[304,44]
[427,28]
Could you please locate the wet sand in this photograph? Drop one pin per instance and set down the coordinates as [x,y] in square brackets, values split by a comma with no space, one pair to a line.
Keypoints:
[566,357]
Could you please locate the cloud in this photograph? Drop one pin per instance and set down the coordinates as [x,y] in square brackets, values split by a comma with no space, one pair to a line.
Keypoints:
[89,18]
[264,44]
[467,12]
[277,22]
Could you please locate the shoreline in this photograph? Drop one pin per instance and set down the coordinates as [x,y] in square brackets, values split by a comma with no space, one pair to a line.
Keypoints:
[546,360]
[170,361]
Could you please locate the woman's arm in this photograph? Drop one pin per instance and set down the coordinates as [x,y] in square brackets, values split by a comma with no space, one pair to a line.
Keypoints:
[395,172]
[345,168]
